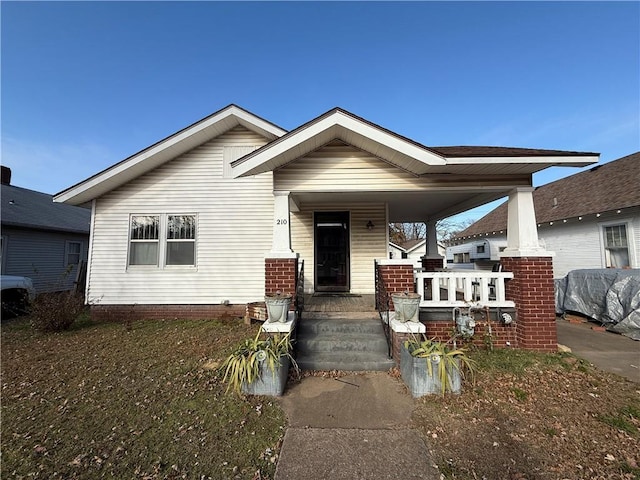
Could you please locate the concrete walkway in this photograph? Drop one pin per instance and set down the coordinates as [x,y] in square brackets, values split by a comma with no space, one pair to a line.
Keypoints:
[608,351]
[353,427]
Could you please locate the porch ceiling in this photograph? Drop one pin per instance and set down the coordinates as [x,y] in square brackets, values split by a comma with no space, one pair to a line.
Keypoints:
[407,206]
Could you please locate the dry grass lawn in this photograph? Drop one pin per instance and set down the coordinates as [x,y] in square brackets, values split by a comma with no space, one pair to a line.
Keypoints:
[100,401]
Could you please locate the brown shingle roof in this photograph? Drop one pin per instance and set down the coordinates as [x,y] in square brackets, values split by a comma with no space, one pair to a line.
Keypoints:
[480,151]
[603,188]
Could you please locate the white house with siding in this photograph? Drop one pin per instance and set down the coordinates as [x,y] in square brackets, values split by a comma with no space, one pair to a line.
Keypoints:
[590,219]
[45,241]
[215,213]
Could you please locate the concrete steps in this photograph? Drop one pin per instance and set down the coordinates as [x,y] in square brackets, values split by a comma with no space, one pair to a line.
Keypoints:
[333,342]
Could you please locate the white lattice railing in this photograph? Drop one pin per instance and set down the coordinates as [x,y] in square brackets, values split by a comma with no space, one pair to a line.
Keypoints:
[459,288]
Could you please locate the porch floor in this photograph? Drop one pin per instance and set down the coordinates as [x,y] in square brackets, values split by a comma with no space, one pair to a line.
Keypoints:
[329,302]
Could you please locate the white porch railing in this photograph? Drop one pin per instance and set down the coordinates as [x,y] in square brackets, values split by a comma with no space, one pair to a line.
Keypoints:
[459,288]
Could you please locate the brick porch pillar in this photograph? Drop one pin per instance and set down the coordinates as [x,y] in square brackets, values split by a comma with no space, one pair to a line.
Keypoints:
[532,287]
[532,290]
[397,276]
[431,264]
[280,274]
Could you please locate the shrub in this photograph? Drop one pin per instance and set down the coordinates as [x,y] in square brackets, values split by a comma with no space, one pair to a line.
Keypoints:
[55,312]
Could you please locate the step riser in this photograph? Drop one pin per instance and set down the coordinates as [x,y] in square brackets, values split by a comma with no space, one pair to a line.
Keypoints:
[319,345]
[341,342]
[346,367]
[329,328]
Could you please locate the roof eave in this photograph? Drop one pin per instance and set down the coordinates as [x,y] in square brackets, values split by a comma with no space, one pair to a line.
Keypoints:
[344,126]
[544,160]
[165,150]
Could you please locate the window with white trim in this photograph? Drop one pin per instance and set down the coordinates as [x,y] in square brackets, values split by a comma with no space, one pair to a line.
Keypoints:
[616,246]
[181,240]
[162,240]
[73,253]
[144,240]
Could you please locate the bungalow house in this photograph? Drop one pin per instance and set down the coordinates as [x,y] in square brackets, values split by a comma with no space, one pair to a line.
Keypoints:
[590,219]
[45,241]
[228,209]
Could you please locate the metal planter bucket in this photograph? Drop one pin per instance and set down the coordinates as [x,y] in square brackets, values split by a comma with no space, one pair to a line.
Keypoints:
[407,306]
[277,308]
[415,374]
[271,383]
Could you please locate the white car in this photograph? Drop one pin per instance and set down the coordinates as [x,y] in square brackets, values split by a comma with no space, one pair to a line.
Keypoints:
[17,294]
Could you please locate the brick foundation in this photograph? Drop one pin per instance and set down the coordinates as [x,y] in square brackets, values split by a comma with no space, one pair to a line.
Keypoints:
[501,336]
[121,313]
[532,291]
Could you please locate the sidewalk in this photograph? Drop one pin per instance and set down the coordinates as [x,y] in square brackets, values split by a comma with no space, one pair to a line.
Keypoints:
[353,427]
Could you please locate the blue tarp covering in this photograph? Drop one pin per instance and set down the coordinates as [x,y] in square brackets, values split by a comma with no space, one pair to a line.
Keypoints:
[609,296]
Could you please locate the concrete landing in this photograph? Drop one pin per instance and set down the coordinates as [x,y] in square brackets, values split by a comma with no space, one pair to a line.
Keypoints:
[353,427]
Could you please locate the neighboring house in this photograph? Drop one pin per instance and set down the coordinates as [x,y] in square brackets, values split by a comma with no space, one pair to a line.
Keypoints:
[589,220]
[226,210]
[42,240]
[413,250]
[477,255]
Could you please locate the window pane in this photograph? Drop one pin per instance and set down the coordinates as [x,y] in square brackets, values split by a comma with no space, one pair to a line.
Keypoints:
[181,227]
[145,227]
[143,253]
[615,236]
[181,253]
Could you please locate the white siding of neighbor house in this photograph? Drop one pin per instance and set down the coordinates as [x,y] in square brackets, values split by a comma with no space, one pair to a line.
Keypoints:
[234,229]
[579,244]
[366,245]
[41,256]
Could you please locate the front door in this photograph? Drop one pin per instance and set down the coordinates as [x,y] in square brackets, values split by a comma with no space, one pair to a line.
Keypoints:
[331,251]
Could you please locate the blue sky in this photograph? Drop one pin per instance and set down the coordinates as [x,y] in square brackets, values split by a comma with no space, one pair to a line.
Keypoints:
[87,84]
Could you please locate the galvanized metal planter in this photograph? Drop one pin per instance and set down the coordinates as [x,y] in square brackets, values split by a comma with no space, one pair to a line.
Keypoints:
[269,382]
[277,307]
[407,306]
[415,374]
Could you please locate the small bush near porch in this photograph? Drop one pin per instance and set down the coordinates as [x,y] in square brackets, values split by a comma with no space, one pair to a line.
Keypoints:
[99,400]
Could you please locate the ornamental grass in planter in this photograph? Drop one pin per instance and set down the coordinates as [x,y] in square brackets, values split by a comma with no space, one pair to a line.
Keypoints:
[430,367]
[259,366]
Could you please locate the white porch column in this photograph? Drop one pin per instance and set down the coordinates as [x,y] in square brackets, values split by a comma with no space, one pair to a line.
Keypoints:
[281,243]
[432,260]
[432,241]
[522,232]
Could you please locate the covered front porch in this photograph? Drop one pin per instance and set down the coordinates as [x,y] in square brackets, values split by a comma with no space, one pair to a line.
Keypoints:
[339,181]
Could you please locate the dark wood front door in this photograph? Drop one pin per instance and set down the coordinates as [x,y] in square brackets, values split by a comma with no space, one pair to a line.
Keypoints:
[331,240]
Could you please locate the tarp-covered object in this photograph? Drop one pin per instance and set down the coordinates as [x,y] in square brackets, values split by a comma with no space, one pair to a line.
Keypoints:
[610,296]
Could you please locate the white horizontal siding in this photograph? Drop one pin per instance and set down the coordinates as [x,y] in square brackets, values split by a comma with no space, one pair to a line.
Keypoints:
[366,245]
[235,217]
[579,244]
[346,168]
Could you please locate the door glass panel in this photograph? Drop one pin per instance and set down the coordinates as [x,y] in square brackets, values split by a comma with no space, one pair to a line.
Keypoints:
[332,251]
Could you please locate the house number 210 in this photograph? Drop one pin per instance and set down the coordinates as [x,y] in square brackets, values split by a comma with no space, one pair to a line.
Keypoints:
[281,221]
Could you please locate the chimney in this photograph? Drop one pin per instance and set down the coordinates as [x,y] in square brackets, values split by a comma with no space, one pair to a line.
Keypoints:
[6,175]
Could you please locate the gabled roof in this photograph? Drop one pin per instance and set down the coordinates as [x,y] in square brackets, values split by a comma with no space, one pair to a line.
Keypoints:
[406,154]
[411,245]
[30,209]
[165,150]
[396,149]
[354,130]
[611,186]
